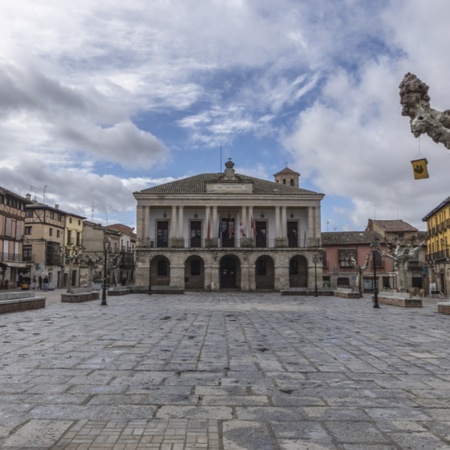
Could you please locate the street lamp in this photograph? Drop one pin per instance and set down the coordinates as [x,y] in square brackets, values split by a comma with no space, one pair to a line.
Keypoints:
[443,272]
[316,258]
[106,244]
[150,275]
[375,248]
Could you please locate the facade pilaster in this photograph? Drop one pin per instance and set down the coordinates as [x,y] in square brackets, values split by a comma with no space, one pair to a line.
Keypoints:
[180,234]
[173,228]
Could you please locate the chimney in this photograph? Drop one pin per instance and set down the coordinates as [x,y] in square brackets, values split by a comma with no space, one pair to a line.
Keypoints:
[28,197]
[56,206]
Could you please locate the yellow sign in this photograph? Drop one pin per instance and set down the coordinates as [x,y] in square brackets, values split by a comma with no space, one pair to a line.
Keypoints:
[420,168]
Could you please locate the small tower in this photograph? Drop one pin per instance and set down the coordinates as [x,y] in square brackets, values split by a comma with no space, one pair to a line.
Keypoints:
[287,176]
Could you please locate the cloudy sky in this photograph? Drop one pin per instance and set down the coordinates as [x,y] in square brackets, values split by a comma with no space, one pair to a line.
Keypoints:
[103,98]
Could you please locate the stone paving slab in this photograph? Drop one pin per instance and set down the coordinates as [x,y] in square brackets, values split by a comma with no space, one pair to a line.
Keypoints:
[224,371]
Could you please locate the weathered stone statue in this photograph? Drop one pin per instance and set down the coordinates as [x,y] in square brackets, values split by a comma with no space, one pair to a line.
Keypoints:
[92,263]
[415,101]
[359,271]
[402,253]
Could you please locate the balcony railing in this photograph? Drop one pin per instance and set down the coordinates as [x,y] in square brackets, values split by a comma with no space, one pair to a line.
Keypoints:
[232,243]
[10,257]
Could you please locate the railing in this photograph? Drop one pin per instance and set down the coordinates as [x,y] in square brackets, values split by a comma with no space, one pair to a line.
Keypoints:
[7,256]
[234,243]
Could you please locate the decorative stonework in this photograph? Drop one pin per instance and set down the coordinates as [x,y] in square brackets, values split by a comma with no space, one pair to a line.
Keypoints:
[415,101]
[229,188]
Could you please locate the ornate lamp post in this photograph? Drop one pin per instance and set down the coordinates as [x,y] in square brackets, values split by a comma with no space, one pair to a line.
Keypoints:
[375,249]
[106,245]
[316,258]
[150,275]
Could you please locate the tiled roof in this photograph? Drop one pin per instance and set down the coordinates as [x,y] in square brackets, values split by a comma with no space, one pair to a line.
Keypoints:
[197,185]
[349,237]
[286,171]
[394,225]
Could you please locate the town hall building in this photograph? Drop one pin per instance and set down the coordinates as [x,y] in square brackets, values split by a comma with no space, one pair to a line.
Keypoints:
[218,231]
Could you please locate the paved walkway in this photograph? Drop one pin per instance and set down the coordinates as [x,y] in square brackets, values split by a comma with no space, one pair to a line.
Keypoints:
[225,371]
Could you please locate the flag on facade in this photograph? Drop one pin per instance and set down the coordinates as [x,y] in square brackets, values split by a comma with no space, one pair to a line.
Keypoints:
[420,169]
[230,229]
[254,228]
[242,231]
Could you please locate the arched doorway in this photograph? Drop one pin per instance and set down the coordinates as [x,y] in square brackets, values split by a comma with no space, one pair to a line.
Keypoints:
[229,272]
[298,272]
[264,273]
[194,273]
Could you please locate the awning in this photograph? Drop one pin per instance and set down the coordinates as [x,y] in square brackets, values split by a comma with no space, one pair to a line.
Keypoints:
[17,264]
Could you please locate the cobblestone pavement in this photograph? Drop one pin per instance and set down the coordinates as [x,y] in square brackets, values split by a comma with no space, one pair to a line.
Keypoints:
[225,371]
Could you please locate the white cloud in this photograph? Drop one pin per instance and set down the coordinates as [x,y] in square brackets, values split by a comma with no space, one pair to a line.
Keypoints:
[89,87]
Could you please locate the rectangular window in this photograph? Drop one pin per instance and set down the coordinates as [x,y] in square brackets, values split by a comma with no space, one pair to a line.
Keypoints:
[195,267]
[162,268]
[293,267]
[27,253]
[58,233]
[52,254]
[227,232]
[378,259]
[52,214]
[28,230]
[162,233]
[8,228]
[50,231]
[261,267]
[292,233]
[29,213]
[345,257]
[261,234]
[69,237]
[196,233]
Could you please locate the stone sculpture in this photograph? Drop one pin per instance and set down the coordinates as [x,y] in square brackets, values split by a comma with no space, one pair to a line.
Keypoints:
[402,253]
[359,271]
[415,101]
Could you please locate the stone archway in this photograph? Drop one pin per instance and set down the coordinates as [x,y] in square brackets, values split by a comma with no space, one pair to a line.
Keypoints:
[298,271]
[194,273]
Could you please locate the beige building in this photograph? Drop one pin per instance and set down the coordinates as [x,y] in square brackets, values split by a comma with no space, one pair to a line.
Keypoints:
[124,270]
[94,235]
[73,248]
[228,231]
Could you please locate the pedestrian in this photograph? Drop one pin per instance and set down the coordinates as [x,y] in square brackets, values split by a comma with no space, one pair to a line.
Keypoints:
[46,283]
[34,282]
[40,282]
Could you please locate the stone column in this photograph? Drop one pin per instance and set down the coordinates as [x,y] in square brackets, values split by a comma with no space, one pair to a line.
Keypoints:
[205,226]
[283,222]
[277,222]
[180,234]
[173,228]
[140,224]
[213,276]
[214,227]
[244,220]
[311,240]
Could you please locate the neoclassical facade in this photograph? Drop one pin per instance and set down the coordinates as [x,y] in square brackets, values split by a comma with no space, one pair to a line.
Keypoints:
[218,231]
